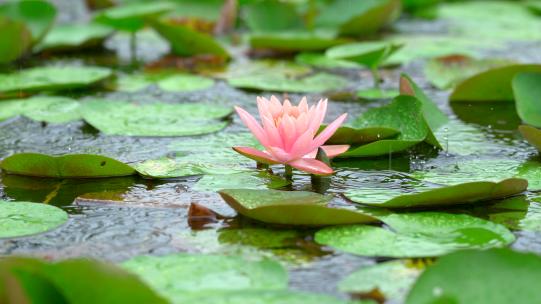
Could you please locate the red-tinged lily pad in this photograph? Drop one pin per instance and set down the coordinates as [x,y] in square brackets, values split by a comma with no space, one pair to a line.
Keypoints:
[494,85]
[532,135]
[297,208]
[527,91]
[466,193]
[66,166]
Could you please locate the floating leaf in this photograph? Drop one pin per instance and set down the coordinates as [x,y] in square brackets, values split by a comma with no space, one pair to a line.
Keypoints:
[316,83]
[181,275]
[517,213]
[271,16]
[185,83]
[211,154]
[492,85]
[52,109]
[243,180]
[356,136]
[363,19]
[188,42]
[293,41]
[279,68]
[392,279]
[370,54]
[456,278]
[14,41]
[291,207]
[132,17]
[67,282]
[75,37]
[423,234]
[154,119]
[466,193]
[37,15]
[322,61]
[23,218]
[446,72]
[404,114]
[66,166]
[532,135]
[259,297]
[527,91]
[52,79]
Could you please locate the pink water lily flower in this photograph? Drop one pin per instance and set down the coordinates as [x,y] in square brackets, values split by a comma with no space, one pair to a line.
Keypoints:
[290,134]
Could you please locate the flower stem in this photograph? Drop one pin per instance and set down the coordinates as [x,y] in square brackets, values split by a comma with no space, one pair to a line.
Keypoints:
[133,47]
[375,75]
[289,171]
[261,166]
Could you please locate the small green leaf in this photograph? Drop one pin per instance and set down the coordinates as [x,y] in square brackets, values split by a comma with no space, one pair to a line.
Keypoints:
[376,93]
[66,166]
[291,207]
[132,17]
[154,119]
[527,91]
[532,135]
[316,83]
[455,278]
[423,234]
[52,79]
[492,85]
[185,83]
[75,37]
[271,16]
[38,15]
[188,42]
[369,54]
[23,218]
[466,193]
[243,180]
[321,61]
[357,136]
[293,41]
[52,109]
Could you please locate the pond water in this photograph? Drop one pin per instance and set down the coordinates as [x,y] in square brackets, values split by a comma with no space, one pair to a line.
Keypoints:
[114,219]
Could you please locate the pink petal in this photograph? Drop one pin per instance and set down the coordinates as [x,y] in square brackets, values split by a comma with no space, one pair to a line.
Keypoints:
[303,105]
[311,165]
[258,156]
[330,150]
[253,125]
[273,136]
[302,145]
[328,132]
[279,154]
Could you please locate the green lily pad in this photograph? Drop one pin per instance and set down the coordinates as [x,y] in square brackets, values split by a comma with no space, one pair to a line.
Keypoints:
[491,86]
[66,282]
[52,78]
[259,297]
[188,42]
[260,237]
[447,72]
[290,207]
[320,60]
[243,180]
[14,41]
[132,17]
[370,54]
[377,93]
[517,213]
[185,83]
[532,135]
[23,218]
[66,166]
[363,19]
[52,109]
[271,16]
[177,276]
[392,279]
[404,113]
[293,41]
[71,37]
[527,91]
[534,6]
[211,154]
[423,234]
[356,136]
[155,119]
[315,83]
[466,193]
[38,15]
[456,278]
[278,68]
